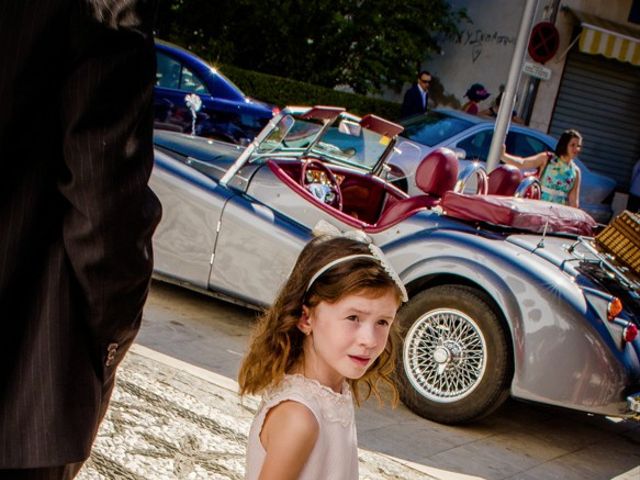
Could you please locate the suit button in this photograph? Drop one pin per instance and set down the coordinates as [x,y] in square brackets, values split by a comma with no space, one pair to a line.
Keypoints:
[112,348]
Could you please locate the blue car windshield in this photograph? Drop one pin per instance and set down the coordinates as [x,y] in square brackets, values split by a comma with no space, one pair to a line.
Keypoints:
[433,128]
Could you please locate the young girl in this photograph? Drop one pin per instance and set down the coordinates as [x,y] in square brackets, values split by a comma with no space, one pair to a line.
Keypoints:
[559,175]
[327,333]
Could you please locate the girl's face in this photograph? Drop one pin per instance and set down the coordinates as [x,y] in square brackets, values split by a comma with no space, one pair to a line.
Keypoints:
[574,147]
[346,336]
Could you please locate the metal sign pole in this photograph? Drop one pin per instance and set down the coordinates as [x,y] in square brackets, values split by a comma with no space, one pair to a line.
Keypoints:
[508,98]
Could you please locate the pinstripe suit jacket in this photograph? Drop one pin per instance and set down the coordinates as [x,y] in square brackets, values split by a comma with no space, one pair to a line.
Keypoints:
[76,215]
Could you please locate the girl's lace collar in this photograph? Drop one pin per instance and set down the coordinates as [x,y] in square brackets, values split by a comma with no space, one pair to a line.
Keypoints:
[299,379]
[335,407]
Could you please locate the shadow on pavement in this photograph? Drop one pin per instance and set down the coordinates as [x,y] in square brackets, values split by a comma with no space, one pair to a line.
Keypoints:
[519,441]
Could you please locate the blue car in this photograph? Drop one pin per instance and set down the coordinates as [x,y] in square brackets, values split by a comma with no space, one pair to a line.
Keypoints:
[470,137]
[226,113]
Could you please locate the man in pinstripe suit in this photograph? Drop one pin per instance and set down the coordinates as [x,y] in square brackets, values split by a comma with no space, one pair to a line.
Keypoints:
[76,219]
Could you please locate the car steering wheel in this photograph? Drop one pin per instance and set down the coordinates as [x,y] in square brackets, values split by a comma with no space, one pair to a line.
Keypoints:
[329,192]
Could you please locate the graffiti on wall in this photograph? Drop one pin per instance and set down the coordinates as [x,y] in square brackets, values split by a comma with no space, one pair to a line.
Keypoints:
[479,39]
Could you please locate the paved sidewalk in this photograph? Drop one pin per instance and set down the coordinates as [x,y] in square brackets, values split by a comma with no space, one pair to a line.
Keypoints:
[519,442]
[171,420]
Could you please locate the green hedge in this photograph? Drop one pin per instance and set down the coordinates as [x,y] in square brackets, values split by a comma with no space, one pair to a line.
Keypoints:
[283,91]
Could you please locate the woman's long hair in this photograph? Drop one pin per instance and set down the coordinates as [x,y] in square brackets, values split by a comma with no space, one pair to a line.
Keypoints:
[276,345]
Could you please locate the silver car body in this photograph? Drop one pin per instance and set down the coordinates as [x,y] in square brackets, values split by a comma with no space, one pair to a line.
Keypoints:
[238,240]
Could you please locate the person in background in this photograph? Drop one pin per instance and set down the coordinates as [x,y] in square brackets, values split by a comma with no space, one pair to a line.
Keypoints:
[476,93]
[327,333]
[77,217]
[558,173]
[492,111]
[416,99]
[634,190]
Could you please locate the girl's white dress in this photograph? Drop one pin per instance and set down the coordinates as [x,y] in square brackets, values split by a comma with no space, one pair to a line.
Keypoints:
[335,454]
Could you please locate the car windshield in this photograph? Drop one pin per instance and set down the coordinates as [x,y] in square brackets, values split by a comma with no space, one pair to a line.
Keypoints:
[344,141]
[433,128]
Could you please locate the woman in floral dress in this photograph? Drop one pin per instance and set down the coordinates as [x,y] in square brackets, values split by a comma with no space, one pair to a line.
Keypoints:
[558,173]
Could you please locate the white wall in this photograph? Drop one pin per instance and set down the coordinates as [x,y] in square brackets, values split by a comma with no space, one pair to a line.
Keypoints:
[482,53]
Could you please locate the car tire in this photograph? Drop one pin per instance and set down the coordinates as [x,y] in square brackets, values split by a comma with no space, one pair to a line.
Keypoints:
[455,365]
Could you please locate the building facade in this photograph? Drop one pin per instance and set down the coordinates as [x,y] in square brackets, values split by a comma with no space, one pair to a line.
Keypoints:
[591,83]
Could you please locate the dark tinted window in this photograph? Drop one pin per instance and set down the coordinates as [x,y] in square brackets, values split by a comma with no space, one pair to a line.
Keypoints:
[172,74]
[167,71]
[477,146]
[433,128]
[189,82]
[524,145]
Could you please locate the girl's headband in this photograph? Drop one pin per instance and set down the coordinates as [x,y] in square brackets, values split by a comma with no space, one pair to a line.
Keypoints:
[376,255]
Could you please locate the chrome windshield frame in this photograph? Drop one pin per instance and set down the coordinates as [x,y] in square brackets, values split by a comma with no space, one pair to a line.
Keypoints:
[327,119]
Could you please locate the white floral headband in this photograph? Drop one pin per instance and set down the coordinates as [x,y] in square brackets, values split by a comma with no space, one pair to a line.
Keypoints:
[325,228]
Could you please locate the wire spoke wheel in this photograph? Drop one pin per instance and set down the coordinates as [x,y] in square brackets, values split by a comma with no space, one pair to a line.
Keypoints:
[455,365]
[445,355]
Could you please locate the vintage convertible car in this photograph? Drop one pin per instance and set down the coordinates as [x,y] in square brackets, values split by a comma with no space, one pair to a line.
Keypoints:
[507,295]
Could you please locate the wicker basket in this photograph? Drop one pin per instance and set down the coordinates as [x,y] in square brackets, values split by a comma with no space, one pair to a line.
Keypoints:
[621,238]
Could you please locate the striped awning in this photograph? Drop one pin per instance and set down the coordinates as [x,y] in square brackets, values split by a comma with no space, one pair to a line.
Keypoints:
[613,40]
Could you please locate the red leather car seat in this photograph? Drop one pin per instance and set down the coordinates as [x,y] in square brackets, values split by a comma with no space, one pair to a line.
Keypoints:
[398,211]
[504,180]
[436,174]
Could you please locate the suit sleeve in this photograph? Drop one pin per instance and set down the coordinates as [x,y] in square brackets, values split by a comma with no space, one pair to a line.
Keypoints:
[106,116]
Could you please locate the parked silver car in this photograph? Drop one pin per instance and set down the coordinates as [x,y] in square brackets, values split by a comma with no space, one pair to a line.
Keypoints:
[470,136]
[503,301]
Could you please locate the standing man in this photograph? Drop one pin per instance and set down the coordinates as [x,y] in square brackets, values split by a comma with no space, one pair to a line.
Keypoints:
[416,99]
[76,217]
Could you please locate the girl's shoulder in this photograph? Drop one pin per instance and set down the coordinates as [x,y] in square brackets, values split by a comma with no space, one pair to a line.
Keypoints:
[321,400]
[292,417]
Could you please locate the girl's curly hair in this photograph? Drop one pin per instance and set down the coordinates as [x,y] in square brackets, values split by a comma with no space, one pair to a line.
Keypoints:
[277,344]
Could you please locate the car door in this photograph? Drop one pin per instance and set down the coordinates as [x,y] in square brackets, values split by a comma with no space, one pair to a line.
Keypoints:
[476,144]
[255,250]
[192,205]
